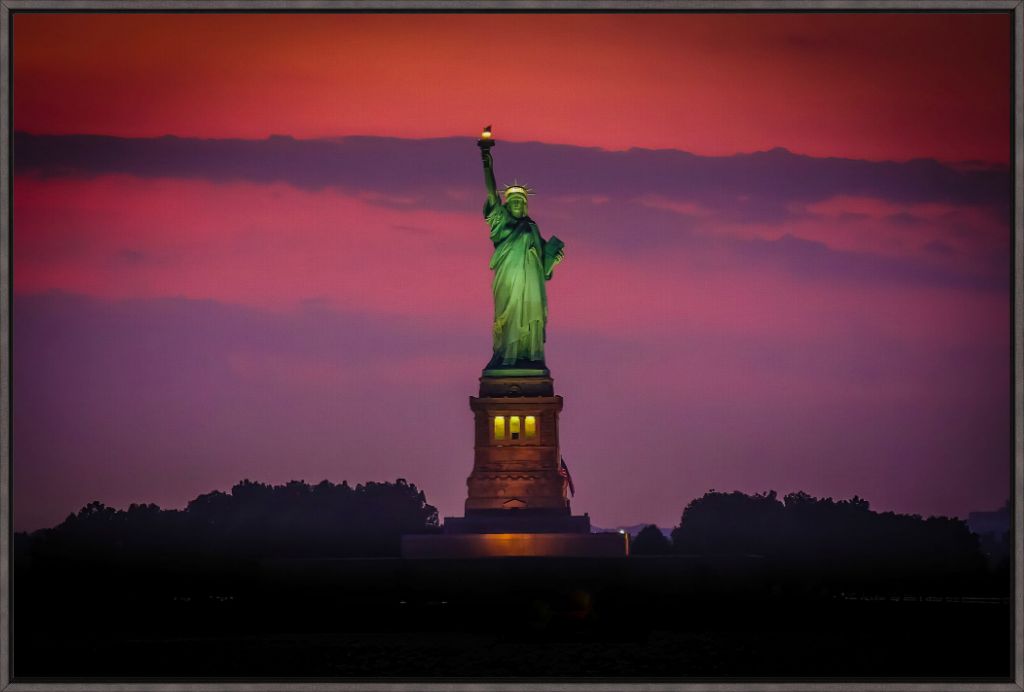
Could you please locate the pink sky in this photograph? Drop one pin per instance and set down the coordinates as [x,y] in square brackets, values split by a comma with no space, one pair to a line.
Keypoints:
[177,328]
[874,86]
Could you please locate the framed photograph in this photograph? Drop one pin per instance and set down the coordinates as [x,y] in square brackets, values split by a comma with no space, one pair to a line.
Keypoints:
[479,345]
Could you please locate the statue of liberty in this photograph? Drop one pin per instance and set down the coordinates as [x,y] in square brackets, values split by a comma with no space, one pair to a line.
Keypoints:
[522,262]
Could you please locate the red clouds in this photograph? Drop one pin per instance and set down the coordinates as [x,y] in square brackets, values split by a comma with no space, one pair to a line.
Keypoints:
[268,246]
[275,246]
[875,86]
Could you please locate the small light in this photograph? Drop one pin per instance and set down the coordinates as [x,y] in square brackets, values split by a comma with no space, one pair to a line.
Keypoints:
[621,531]
[486,134]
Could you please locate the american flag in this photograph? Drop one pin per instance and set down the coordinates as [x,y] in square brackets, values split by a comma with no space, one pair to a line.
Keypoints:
[563,471]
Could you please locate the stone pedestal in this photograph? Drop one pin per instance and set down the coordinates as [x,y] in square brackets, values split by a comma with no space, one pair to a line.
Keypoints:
[517,521]
[517,503]
[516,453]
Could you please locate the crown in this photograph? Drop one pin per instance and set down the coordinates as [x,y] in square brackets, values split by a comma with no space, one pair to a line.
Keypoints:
[516,188]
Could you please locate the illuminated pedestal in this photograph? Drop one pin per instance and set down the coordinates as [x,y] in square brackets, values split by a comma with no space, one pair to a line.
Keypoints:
[517,503]
[516,452]
[515,545]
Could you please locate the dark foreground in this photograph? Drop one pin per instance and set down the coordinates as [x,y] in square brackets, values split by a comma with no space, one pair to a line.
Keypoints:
[642,617]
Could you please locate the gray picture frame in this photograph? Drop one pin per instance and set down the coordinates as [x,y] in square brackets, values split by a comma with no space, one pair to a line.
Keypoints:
[8,7]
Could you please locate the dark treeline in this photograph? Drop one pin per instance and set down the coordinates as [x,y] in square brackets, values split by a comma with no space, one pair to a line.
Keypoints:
[840,542]
[253,521]
[245,584]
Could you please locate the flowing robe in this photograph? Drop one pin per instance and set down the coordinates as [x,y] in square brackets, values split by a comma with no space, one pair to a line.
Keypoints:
[520,299]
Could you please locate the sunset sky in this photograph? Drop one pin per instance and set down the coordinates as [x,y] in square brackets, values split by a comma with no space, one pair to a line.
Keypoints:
[251,246]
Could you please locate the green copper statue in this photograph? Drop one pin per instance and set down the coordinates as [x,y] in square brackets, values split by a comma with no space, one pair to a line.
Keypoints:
[522,262]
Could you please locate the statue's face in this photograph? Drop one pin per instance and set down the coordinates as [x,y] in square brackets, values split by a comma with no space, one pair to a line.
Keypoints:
[517,206]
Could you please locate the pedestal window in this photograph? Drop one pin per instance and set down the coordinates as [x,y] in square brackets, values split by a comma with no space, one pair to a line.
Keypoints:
[514,427]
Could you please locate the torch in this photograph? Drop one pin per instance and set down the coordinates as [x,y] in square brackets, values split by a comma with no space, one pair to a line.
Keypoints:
[486,141]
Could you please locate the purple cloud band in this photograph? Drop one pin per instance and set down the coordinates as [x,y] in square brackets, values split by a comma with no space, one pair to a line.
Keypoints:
[761,183]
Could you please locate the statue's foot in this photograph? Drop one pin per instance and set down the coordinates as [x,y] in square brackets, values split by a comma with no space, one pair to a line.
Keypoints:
[497,362]
[494,363]
[497,365]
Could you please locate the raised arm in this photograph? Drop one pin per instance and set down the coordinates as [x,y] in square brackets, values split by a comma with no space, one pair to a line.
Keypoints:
[492,188]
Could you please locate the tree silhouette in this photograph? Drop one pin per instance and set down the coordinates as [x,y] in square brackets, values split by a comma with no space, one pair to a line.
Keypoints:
[730,523]
[253,521]
[650,541]
[842,541]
